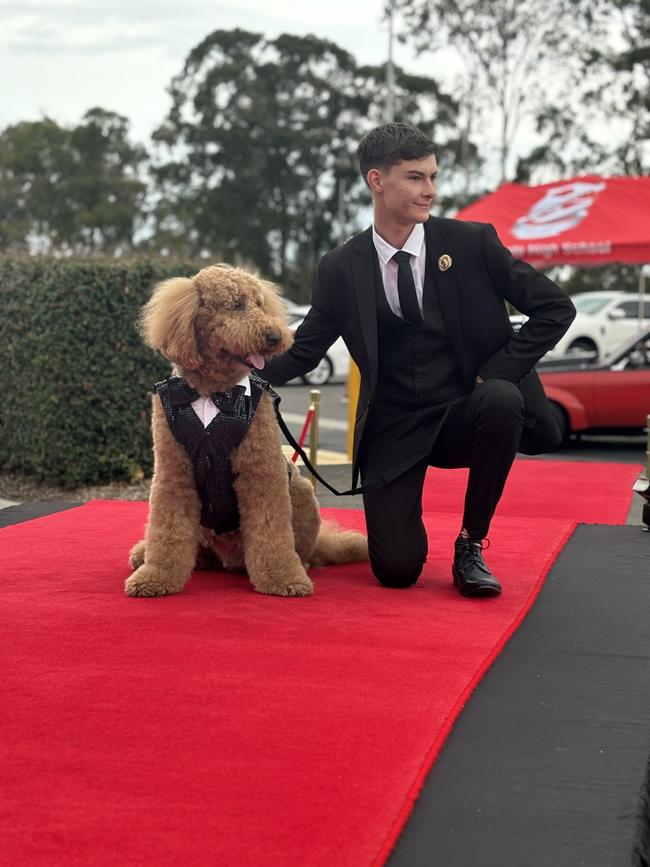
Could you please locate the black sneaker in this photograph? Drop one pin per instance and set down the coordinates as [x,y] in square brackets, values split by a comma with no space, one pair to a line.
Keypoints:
[471,575]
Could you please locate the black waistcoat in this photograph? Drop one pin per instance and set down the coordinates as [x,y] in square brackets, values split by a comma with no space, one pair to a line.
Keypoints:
[418,379]
[417,366]
[210,448]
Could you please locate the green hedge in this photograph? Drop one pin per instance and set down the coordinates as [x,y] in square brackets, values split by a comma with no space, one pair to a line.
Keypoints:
[77,379]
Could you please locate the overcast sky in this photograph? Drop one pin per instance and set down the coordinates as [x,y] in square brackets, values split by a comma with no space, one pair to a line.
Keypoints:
[62,57]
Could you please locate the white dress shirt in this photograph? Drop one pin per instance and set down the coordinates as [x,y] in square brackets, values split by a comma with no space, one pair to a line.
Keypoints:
[205,408]
[417,248]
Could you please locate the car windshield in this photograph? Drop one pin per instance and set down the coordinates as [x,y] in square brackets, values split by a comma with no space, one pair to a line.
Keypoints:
[619,352]
[590,305]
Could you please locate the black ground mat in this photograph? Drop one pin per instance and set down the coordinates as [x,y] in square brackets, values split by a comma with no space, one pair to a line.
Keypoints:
[546,763]
[642,841]
[36,509]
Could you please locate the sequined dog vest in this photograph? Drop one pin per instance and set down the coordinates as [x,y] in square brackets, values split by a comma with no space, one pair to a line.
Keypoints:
[210,448]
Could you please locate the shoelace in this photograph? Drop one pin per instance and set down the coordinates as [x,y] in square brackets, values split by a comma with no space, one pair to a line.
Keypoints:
[471,553]
[483,545]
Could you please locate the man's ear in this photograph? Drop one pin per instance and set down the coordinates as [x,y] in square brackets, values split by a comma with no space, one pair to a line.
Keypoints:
[167,321]
[375,180]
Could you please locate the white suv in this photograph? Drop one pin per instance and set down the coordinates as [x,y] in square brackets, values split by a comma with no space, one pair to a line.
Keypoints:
[603,320]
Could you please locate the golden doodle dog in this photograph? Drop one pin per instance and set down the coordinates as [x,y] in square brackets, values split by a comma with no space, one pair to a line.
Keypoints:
[221,485]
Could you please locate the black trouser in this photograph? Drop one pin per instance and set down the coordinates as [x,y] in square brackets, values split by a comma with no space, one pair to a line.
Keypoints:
[482,432]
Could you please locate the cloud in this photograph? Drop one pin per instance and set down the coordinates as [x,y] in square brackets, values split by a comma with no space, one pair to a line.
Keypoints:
[64,56]
[65,26]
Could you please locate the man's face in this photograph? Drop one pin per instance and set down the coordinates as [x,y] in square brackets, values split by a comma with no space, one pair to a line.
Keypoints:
[407,190]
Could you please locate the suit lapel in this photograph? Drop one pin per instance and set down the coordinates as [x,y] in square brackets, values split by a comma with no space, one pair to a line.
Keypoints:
[363,277]
[438,244]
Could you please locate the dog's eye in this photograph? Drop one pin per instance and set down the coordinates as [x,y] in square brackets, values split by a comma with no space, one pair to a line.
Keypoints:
[238,304]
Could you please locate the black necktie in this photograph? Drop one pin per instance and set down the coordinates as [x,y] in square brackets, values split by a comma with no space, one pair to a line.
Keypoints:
[408,299]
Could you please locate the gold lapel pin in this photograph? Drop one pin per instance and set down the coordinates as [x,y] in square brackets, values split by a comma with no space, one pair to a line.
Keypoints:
[444,262]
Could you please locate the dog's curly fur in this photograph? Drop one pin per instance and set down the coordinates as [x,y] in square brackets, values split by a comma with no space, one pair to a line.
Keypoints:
[210,326]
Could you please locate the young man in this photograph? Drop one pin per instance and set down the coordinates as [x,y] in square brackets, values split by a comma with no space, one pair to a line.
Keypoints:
[420,304]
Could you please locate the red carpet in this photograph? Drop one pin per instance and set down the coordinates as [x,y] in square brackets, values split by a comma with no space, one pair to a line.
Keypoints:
[590,493]
[221,727]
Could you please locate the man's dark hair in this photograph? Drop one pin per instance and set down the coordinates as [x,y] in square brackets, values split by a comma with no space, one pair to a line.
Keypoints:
[387,145]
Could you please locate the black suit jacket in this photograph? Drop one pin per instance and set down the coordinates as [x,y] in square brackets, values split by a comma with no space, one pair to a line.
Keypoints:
[483,274]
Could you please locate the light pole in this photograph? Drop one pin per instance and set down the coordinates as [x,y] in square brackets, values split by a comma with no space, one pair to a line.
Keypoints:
[390,72]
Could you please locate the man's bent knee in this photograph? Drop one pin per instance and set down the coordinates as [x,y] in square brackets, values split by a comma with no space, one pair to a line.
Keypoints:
[544,437]
[396,575]
[500,404]
[500,393]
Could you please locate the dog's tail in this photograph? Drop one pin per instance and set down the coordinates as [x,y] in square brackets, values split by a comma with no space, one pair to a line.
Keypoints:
[335,545]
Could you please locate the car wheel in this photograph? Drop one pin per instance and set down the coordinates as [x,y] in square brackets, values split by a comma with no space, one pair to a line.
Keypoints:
[562,422]
[321,374]
[582,346]
[646,515]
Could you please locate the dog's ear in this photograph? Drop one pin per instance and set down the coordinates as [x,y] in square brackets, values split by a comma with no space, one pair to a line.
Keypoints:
[167,321]
[273,300]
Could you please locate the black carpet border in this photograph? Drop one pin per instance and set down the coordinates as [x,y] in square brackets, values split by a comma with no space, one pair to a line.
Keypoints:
[641,849]
[22,512]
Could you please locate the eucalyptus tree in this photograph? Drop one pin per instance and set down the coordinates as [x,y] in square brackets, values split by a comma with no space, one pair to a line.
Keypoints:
[34,159]
[70,188]
[107,186]
[616,94]
[255,160]
[507,58]
[602,126]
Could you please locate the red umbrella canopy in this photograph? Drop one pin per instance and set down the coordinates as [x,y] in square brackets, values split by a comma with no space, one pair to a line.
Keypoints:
[583,221]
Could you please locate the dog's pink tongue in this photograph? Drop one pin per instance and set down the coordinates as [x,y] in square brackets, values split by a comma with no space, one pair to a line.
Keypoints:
[256,360]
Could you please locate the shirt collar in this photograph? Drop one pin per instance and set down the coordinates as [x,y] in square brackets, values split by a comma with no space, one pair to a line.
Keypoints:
[412,245]
[246,382]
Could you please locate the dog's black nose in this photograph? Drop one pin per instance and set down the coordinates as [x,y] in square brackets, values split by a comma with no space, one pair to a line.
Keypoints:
[273,337]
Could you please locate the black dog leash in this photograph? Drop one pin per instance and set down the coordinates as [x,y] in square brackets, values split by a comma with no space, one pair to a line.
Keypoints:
[373,485]
[289,437]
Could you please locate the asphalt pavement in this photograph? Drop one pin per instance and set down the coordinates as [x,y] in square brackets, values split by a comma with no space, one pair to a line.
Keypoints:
[333,426]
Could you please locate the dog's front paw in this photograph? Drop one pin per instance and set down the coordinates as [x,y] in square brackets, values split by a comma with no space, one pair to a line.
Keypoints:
[302,587]
[296,584]
[145,582]
[136,555]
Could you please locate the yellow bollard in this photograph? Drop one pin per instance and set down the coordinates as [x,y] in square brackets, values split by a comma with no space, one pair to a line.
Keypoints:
[313,431]
[354,385]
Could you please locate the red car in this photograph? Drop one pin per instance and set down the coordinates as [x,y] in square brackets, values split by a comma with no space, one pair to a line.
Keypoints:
[610,396]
